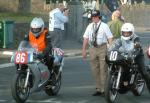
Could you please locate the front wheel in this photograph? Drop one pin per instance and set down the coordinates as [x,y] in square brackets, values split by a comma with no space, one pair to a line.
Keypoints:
[138,85]
[19,93]
[110,90]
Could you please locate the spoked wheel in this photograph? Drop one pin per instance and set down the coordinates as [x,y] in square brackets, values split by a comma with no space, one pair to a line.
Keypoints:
[54,84]
[19,93]
[110,91]
[138,86]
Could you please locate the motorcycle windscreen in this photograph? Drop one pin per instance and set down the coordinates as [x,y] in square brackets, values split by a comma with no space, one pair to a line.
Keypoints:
[24,54]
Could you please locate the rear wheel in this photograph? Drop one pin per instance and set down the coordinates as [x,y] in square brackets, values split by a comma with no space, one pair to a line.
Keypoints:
[110,91]
[138,86]
[19,93]
[54,84]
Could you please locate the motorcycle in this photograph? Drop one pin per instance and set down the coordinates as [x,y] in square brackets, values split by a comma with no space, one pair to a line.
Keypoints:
[32,75]
[122,76]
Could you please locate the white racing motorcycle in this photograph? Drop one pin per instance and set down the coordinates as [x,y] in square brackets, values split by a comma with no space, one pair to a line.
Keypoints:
[33,75]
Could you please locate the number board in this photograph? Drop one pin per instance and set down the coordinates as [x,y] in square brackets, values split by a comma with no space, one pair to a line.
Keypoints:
[113,55]
[21,58]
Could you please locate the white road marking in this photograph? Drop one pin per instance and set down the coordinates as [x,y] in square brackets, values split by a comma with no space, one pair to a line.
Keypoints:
[52,100]
[3,101]
[7,53]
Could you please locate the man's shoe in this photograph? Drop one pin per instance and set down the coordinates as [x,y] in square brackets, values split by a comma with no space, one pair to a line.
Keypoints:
[97,93]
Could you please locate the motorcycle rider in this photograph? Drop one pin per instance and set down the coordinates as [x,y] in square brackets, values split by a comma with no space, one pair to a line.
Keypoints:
[39,36]
[130,43]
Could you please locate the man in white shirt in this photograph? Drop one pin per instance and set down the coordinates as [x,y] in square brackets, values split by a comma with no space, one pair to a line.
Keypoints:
[57,18]
[97,35]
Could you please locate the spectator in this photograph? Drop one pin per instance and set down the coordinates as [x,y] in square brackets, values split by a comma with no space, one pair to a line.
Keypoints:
[115,24]
[123,2]
[57,18]
[112,5]
[96,35]
[93,5]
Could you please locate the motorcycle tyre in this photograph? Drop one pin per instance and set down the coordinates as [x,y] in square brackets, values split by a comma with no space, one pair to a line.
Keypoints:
[135,90]
[108,88]
[51,91]
[14,89]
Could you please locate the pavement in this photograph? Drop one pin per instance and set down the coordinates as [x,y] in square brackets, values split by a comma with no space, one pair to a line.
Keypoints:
[70,47]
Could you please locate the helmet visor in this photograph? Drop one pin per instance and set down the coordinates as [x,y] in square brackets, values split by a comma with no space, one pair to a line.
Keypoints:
[36,30]
[126,34]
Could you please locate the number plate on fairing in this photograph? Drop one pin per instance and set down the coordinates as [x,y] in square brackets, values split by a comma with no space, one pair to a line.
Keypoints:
[23,57]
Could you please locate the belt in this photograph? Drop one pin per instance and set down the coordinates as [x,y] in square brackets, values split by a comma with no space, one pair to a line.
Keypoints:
[98,46]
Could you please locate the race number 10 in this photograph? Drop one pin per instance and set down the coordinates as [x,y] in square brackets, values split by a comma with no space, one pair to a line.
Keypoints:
[113,55]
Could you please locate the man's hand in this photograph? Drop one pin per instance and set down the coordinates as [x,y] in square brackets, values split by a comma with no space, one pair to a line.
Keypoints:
[85,43]
[137,45]
[66,12]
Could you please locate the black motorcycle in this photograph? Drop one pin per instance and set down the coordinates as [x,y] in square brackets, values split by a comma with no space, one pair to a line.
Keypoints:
[123,76]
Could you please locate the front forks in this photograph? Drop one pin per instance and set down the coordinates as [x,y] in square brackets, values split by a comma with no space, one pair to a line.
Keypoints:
[118,78]
[27,78]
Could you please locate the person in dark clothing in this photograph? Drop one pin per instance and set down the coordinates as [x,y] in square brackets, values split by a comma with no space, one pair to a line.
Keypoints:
[39,36]
[112,5]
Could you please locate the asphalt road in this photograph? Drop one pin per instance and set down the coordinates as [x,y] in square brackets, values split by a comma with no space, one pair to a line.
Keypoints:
[77,87]
[77,84]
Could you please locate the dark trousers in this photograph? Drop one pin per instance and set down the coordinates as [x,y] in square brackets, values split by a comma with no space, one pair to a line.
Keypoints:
[143,70]
[56,38]
[49,61]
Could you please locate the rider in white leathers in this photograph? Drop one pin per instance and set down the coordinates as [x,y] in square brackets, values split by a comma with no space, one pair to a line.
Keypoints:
[130,43]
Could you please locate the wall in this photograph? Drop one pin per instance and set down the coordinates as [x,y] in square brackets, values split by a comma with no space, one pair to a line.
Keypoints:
[33,6]
[8,5]
[137,14]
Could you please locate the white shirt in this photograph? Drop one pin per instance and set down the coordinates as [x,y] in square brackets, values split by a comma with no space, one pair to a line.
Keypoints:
[93,5]
[103,33]
[57,19]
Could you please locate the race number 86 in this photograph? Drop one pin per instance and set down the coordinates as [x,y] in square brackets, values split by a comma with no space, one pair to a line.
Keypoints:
[21,58]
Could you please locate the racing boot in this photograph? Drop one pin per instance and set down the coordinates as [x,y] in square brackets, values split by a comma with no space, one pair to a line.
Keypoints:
[147,77]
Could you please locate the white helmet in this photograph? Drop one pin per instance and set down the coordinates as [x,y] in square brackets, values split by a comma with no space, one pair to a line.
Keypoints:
[37,26]
[127,27]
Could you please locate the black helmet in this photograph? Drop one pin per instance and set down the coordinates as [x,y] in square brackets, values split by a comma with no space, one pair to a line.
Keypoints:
[95,13]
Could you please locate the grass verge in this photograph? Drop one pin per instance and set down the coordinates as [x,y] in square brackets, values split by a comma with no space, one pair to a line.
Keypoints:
[21,17]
